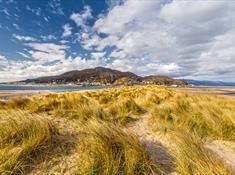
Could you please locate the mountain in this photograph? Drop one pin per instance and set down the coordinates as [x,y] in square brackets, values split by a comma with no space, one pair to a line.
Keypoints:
[208,83]
[101,75]
[98,74]
[163,80]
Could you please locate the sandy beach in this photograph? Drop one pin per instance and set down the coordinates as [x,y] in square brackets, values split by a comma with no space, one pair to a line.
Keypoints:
[16,93]
[225,91]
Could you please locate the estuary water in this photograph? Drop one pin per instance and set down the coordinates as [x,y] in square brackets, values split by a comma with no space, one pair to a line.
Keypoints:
[50,88]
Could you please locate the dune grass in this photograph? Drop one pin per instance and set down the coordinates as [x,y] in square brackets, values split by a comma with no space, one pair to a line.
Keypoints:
[205,116]
[192,158]
[22,138]
[106,146]
[109,149]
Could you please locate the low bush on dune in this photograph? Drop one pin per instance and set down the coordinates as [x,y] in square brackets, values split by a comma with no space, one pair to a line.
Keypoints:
[107,149]
[22,137]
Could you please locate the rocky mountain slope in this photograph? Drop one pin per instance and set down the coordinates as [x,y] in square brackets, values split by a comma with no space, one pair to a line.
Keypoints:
[105,76]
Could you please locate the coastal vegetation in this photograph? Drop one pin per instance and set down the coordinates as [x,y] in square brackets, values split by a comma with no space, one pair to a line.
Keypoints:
[106,143]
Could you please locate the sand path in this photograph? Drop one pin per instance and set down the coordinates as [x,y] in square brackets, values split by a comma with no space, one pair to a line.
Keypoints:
[156,145]
[224,151]
[63,157]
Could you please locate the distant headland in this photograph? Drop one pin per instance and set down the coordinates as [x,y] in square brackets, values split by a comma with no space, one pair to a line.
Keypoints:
[103,76]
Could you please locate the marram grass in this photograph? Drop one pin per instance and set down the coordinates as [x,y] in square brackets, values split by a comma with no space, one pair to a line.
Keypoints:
[106,146]
[205,116]
[192,158]
[107,149]
[22,137]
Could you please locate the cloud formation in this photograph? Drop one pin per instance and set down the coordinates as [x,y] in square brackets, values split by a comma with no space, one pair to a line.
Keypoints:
[24,38]
[67,30]
[47,52]
[81,18]
[183,39]
[186,39]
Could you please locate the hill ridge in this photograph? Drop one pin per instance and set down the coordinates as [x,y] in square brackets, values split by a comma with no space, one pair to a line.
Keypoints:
[104,75]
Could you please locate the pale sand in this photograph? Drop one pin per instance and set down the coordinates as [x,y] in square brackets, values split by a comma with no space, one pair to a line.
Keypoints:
[224,151]
[225,91]
[16,93]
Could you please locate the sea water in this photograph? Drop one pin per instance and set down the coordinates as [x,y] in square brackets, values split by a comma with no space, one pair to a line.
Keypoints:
[51,88]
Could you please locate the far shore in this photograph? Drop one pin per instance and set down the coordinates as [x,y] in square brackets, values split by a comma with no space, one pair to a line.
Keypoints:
[6,94]
[210,90]
[40,84]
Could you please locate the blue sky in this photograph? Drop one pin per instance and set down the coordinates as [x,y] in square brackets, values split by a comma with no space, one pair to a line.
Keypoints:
[182,39]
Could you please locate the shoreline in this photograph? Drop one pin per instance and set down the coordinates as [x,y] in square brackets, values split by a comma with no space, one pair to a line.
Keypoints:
[227,91]
[7,94]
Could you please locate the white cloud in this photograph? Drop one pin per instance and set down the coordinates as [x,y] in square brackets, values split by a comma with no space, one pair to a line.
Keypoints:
[178,38]
[123,16]
[36,11]
[67,30]
[63,41]
[6,12]
[56,7]
[16,26]
[23,54]
[81,18]
[24,38]
[47,52]
[48,37]
[98,55]
[46,19]
[186,39]
[32,69]
[3,59]
[186,11]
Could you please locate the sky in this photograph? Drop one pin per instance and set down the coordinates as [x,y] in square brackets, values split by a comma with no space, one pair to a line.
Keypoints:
[182,39]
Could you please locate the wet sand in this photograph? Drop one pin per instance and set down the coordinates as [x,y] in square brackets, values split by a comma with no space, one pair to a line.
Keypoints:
[225,91]
[17,93]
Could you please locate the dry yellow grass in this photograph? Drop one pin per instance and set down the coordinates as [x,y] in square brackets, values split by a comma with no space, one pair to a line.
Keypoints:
[203,115]
[106,146]
[192,158]
[107,149]
[22,137]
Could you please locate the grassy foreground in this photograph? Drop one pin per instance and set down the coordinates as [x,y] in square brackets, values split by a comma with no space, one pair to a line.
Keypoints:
[106,145]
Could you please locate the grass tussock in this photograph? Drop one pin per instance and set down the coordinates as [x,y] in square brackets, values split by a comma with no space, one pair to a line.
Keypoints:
[107,149]
[18,103]
[192,158]
[205,116]
[123,110]
[22,137]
